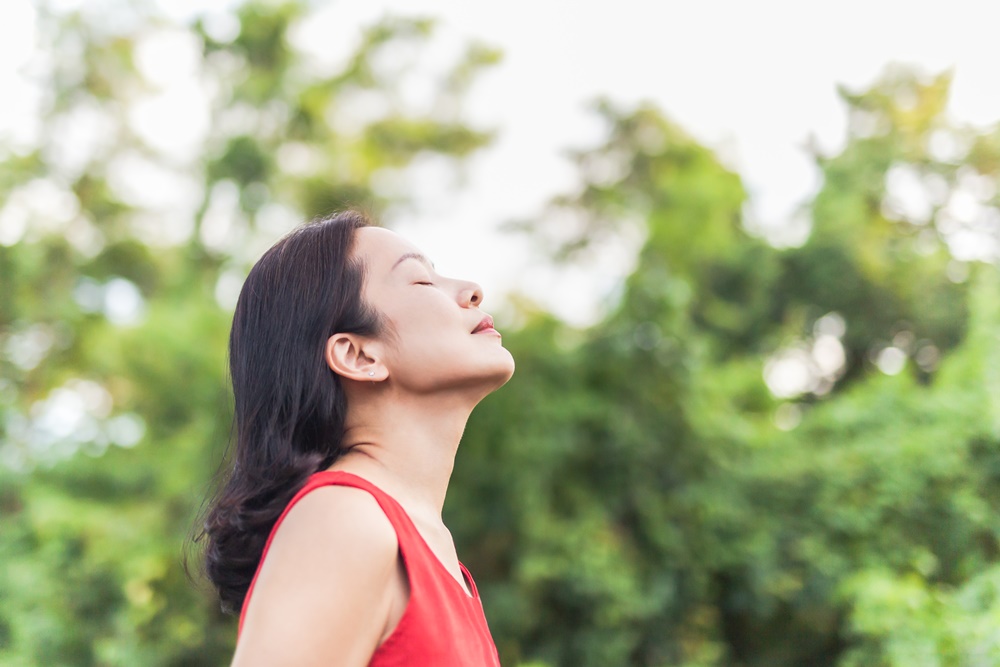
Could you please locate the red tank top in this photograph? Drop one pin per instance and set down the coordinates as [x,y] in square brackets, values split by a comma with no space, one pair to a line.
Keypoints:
[442,625]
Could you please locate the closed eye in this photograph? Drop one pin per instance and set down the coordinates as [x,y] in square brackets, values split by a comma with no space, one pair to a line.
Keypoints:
[422,283]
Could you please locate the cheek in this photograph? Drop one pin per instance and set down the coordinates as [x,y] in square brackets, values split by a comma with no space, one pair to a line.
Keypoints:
[424,333]
[432,350]
[425,312]
[427,347]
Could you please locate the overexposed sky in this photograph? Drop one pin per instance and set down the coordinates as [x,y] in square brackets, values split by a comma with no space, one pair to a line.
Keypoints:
[753,80]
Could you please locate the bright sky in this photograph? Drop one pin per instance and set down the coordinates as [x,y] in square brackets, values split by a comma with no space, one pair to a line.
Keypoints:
[753,80]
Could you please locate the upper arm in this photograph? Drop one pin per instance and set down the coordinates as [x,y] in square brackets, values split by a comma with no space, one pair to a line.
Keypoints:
[324,592]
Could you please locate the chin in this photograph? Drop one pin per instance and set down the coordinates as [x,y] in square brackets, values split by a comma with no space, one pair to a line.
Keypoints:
[474,380]
[490,379]
[506,370]
[502,376]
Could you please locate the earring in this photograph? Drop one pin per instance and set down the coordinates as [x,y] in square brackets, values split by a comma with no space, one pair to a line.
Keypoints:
[371,373]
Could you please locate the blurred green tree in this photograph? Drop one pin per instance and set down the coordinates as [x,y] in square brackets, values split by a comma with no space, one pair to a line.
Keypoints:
[760,456]
[124,241]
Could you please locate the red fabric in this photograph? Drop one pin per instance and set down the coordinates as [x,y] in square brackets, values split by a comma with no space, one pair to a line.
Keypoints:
[441,625]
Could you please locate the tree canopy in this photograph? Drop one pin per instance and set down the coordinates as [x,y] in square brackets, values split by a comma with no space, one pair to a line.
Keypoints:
[760,456]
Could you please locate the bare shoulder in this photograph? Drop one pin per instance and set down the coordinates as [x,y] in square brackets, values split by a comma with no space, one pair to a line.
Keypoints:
[325,590]
[339,516]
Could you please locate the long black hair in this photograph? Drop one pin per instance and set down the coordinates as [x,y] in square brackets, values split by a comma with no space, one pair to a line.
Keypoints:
[289,406]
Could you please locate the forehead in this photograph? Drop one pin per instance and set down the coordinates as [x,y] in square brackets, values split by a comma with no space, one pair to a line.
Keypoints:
[380,248]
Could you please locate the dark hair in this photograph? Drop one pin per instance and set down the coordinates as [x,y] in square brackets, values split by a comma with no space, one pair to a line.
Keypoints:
[289,406]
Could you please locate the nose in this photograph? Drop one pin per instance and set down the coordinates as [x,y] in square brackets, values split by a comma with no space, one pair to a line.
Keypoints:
[471,295]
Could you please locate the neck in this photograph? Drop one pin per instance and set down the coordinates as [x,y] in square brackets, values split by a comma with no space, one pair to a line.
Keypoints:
[405,445]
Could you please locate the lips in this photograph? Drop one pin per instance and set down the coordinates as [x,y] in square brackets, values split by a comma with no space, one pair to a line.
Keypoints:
[484,325]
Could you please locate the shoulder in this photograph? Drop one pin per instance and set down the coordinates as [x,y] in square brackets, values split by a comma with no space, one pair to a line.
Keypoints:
[346,519]
[326,584]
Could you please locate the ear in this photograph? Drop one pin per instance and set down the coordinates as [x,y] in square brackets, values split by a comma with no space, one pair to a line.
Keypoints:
[354,357]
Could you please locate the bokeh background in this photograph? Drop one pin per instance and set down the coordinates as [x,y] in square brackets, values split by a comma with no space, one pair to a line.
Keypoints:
[756,416]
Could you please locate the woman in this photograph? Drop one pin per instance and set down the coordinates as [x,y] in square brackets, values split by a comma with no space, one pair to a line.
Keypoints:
[355,367]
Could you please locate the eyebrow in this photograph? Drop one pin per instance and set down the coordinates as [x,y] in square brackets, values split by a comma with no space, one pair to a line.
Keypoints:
[413,255]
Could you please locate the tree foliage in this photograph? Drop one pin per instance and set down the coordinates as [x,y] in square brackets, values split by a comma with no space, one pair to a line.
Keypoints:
[658,505]
[115,307]
[759,456]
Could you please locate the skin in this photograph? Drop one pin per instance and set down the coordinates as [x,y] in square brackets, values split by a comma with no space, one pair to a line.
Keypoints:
[333,587]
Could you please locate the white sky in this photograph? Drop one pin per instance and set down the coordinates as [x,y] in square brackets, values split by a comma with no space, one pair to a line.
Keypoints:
[753,80]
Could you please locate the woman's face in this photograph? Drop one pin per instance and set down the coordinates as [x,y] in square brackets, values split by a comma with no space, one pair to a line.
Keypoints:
[436,338]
